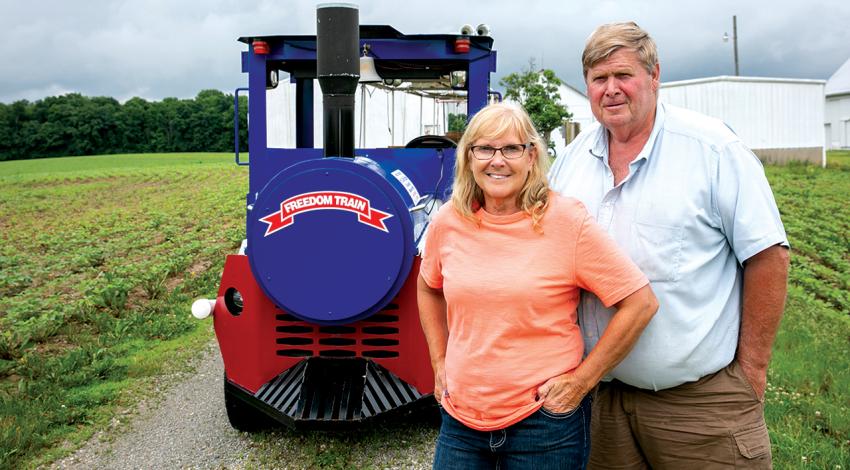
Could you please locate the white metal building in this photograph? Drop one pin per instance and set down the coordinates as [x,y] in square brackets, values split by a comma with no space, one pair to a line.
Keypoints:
[578,104]
[392,117]
[780,119]
[837,123]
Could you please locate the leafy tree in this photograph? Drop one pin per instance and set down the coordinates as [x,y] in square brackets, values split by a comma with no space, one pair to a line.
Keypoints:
[537,91]
[212,122]
[74,124]
[9,116]
[135,125]
[457,122]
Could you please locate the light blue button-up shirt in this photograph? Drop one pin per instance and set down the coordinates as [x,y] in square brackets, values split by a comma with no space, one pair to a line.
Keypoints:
[695,206]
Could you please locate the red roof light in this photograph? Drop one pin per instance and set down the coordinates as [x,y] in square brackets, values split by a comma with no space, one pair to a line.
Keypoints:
[461,45]
[260,47]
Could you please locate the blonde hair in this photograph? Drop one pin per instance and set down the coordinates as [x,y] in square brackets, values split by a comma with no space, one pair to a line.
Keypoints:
[608,38]
[494,121]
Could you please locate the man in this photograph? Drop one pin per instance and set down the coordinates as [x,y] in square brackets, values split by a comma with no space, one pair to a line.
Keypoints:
[690,204]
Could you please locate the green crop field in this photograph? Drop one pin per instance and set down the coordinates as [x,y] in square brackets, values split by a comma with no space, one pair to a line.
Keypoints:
[100,258]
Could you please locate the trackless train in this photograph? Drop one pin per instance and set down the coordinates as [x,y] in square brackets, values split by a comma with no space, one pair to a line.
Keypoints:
[316,318]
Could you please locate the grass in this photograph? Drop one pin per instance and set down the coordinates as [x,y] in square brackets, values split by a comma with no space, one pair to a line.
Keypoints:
[100,258]
[839,159]
[807,404]
[86,166]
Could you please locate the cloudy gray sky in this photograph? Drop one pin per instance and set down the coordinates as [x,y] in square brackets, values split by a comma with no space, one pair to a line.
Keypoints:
[160,48]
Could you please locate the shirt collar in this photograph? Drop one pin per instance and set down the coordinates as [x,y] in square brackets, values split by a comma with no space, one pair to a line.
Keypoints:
[599,149]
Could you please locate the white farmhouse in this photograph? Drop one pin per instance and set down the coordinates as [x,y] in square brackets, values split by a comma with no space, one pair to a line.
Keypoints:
[837,123]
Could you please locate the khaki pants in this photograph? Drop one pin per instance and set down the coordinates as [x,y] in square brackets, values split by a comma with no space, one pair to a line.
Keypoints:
[715,422]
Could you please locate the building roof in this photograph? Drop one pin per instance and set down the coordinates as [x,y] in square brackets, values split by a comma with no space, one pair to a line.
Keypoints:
[573,88]
[839,82]
[732,78]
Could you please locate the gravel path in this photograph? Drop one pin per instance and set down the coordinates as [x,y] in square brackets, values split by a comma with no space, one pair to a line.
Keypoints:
[186,428]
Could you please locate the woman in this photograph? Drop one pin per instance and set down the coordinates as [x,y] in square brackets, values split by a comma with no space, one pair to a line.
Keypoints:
[499,283]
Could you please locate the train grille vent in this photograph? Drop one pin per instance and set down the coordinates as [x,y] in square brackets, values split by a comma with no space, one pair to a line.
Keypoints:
[376,337]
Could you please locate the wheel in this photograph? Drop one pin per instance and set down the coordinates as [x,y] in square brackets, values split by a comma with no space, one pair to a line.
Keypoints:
[431,141]
[242,416]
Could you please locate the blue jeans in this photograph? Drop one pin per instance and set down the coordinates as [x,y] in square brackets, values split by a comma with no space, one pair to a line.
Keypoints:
[543,440]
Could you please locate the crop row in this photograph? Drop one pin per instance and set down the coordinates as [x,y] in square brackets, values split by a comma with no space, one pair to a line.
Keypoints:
[97,266]
[814,208]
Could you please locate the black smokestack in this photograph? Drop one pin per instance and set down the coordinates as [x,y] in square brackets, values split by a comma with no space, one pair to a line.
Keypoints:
[338,67]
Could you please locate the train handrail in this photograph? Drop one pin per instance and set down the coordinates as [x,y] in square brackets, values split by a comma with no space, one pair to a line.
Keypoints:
[236,125]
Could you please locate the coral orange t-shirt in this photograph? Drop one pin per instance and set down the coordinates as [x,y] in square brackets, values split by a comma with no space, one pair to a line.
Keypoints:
[511,295]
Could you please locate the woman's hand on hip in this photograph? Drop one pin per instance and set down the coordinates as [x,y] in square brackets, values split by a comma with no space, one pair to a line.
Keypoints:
[563,393]
[440,382]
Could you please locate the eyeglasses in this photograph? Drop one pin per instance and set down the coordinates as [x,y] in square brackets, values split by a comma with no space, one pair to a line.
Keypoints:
[510,152]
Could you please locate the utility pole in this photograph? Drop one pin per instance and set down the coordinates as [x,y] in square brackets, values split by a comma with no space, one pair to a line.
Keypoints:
[734,41]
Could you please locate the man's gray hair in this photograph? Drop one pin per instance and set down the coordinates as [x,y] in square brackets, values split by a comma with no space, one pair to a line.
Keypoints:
[609,38]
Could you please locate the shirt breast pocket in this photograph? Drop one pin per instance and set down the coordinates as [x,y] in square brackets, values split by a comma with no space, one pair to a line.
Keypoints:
[657,250]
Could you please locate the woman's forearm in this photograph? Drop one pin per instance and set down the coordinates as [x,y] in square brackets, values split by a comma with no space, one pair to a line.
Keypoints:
[632,315]
[565,392]
[432,315]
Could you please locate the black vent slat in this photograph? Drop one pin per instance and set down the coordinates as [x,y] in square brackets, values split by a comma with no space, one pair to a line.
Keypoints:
[294,340]
[337,342]
[379,342]
[337,330]
[286,317]
[294,352]
[296,329]
[380,330]
[380,354]
[382,318]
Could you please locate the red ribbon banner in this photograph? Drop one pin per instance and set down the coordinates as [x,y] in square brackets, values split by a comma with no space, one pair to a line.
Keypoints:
[324,200]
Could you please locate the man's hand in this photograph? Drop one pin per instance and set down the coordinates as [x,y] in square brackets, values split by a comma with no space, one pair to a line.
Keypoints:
[765,286]
[563,393]
[757,376]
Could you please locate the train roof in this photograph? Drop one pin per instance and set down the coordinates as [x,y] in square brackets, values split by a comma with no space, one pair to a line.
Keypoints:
[397,55]
[372,32]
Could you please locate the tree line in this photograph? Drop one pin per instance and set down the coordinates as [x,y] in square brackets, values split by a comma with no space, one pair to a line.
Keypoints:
[73,124]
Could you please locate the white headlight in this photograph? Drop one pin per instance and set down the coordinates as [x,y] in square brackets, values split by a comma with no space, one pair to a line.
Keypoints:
[202,308]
